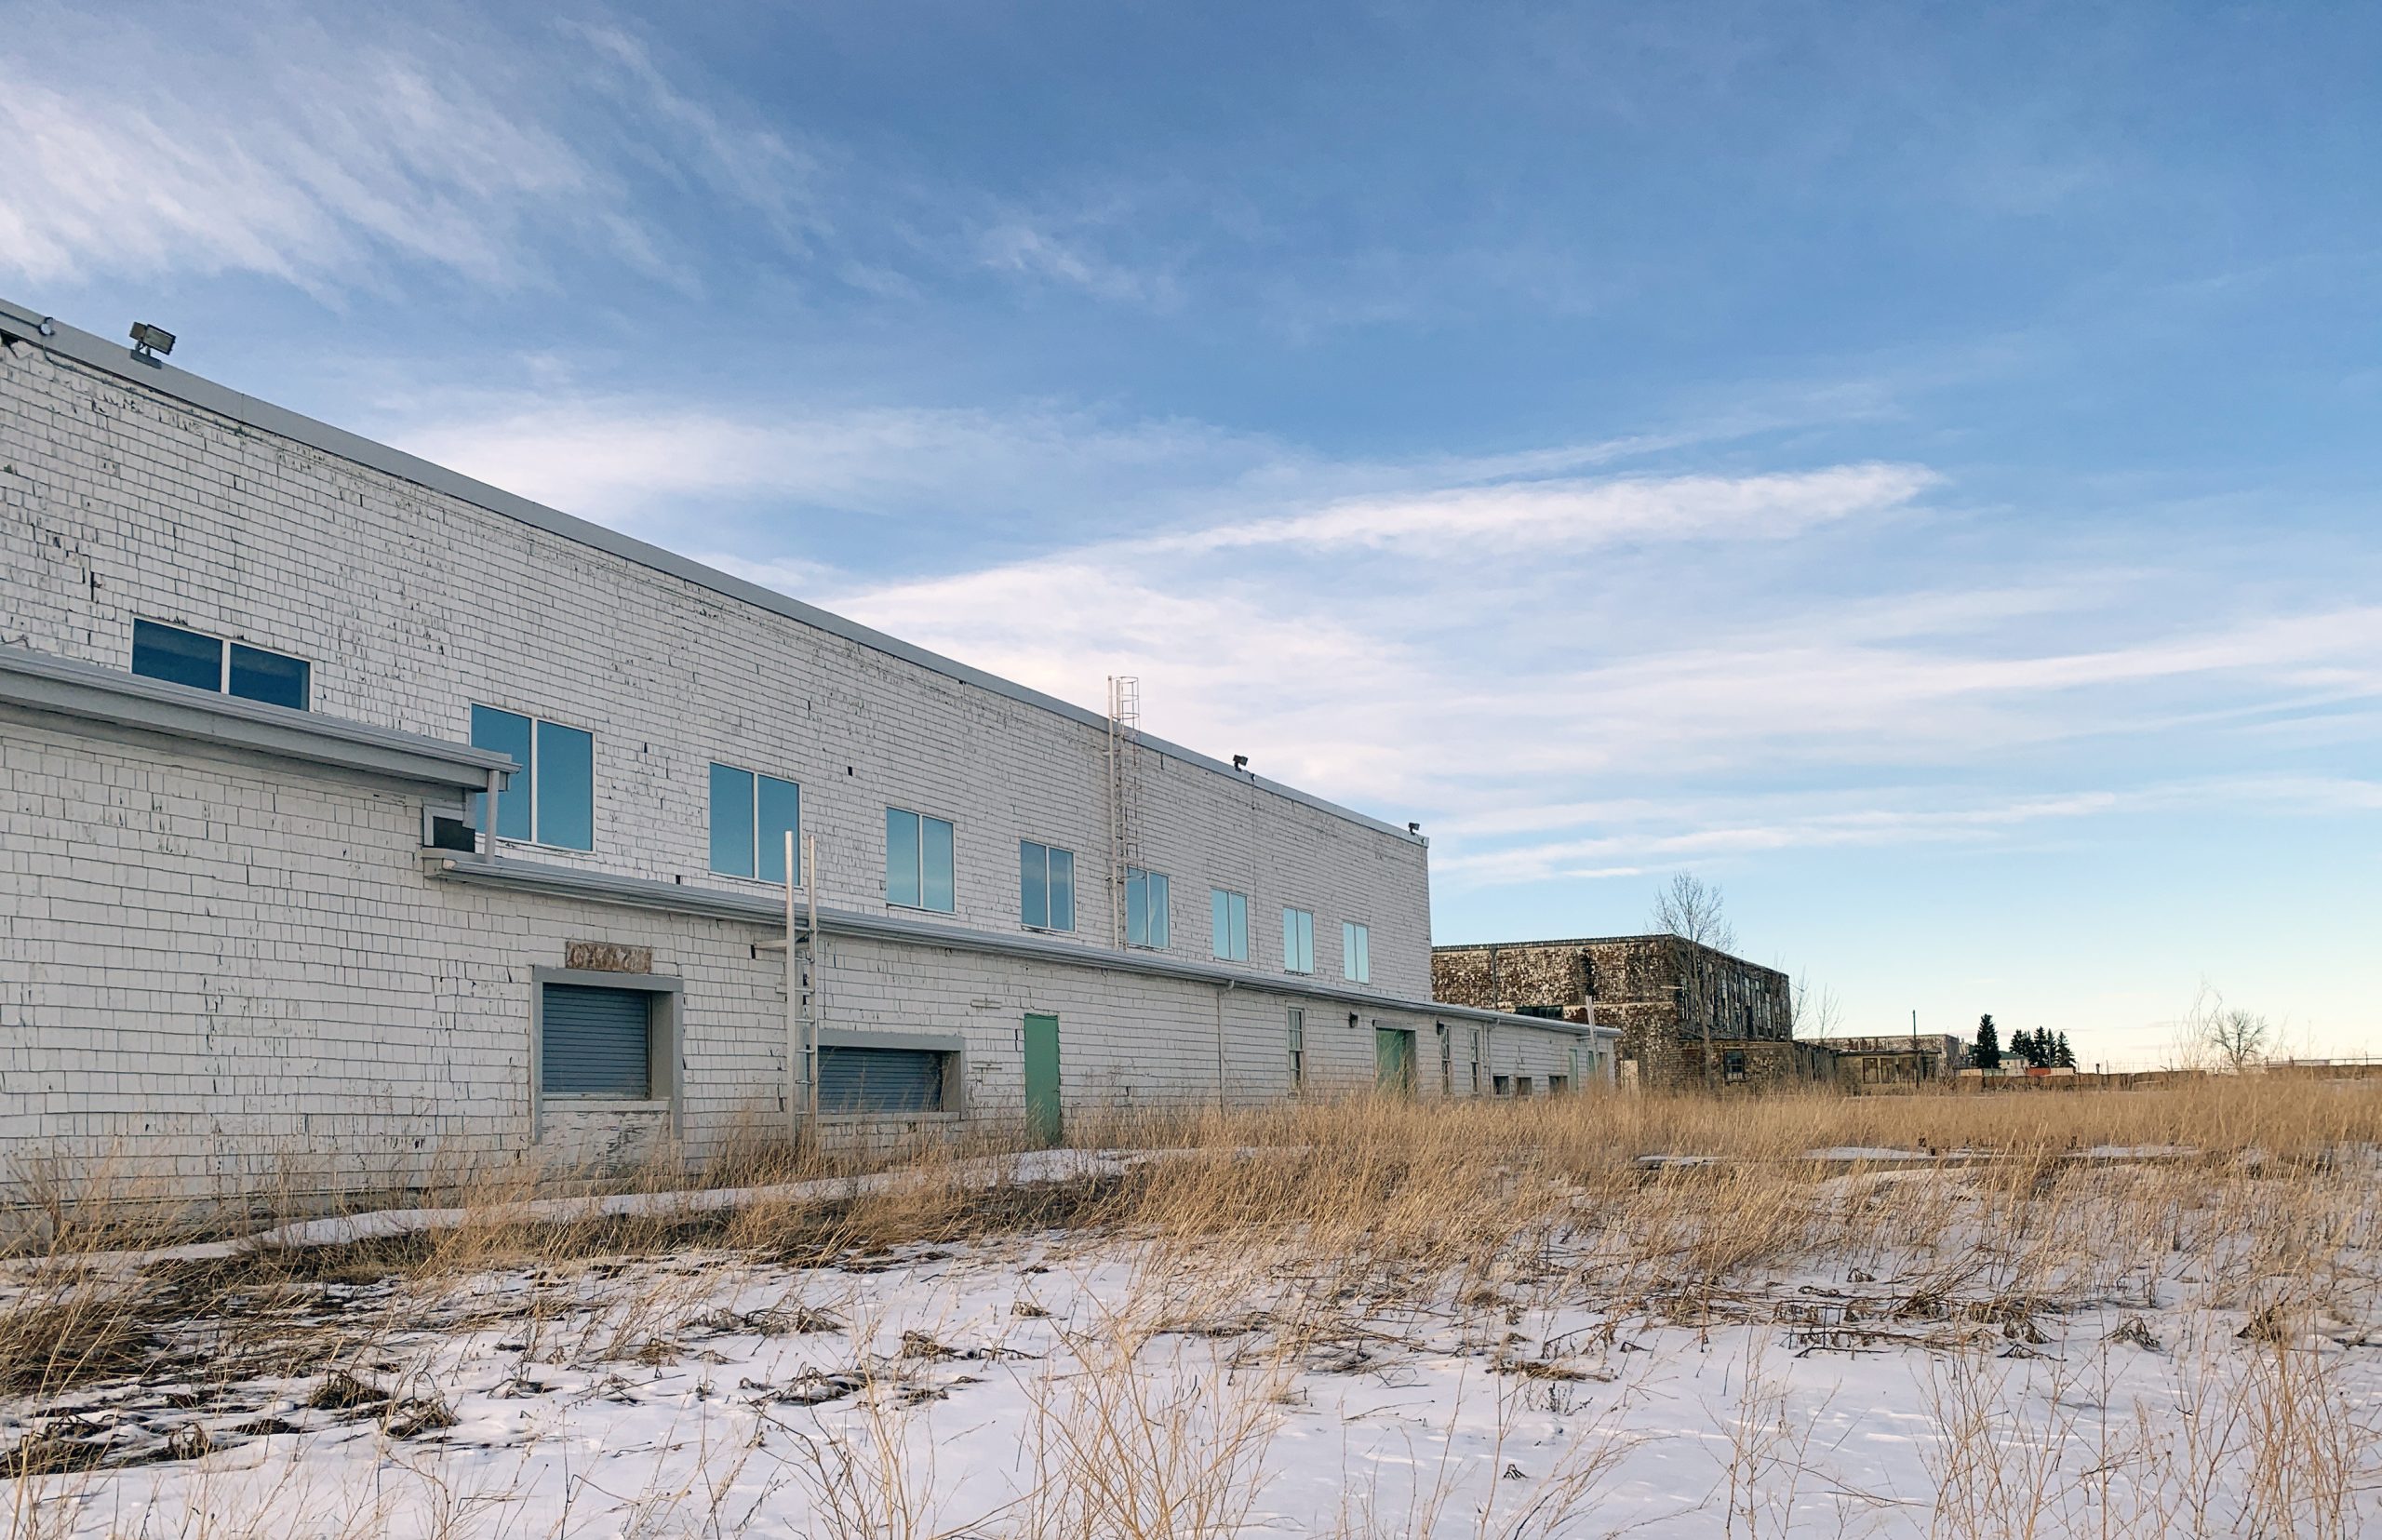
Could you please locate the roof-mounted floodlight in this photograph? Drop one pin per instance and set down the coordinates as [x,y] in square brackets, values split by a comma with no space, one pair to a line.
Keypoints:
[1240,761]
[151,342]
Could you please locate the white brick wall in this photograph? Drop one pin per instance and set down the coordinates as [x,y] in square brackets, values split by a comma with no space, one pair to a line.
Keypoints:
[412,605]
[234,971]
[199,979]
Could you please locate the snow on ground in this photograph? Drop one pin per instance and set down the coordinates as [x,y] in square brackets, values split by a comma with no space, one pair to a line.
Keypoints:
[1063,1385]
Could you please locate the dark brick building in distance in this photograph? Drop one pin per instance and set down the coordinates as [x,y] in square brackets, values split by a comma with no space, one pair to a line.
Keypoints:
[1669,996]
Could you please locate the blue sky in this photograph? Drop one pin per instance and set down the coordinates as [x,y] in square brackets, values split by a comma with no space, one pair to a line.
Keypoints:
[1912,466]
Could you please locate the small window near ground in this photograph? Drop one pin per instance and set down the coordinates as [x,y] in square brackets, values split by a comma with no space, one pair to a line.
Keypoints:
[1045,886]
[1298,941]
[892,1081]
[1355,953]
[596,1042]
[1522,1085]
[1502,1085]
[1146,909]
[1229,925]
[551,800]
[918,873]
[202,661]
[1558,1085]
[750,815]
[1733,1064]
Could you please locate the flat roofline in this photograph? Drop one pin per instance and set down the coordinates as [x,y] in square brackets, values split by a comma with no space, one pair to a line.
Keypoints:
[1592,941]
[98,353]
[1561,941]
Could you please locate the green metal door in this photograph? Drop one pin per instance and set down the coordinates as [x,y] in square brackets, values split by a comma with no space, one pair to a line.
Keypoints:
[1042,1122]
[1393,1059]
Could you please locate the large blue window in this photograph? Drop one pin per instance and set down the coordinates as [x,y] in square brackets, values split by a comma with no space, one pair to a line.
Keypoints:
[1298,941]
[1045,886]
[228,668]
[565,777]
[1146,909]
[919,861]
[1355,953]
[552,799]
[1228,924]
[177,656]
[750,815]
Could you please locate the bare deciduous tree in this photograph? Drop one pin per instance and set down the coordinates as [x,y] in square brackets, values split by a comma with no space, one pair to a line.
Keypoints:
[1690,909]
[1816,1012]
[2234,1037]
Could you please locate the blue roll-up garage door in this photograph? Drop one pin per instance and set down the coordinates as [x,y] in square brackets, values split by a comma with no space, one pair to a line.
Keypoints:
[880,1079]
[596,1042]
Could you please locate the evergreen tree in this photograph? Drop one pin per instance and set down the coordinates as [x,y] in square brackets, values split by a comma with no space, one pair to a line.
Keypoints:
[2031,1051]
[1988,1052]
[2062,1056]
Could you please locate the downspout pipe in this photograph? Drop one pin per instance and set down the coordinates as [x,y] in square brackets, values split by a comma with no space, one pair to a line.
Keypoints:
[1229,985]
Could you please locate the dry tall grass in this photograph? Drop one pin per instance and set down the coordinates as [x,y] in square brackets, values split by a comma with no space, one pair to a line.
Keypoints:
[1300,1239]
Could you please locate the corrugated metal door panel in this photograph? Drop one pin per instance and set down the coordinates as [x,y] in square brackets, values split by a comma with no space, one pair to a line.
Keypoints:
[597,1042]
[880,1079]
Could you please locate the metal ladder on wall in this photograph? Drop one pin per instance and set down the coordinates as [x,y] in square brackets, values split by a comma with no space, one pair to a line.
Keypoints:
[1124,791]
[802,988]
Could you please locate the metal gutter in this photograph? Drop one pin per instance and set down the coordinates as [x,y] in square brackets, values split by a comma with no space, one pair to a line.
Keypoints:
[716,904]
[96,352]
[86,693]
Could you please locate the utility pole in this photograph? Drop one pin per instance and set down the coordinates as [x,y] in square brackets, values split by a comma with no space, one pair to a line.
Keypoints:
[1915,1072]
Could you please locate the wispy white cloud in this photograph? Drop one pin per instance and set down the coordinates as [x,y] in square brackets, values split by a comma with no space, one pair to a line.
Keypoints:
[637,459]
[335,149]
[296,170]
[1575,513]
[1689,831]
[1016,243]
[1720,838]
[1474,641]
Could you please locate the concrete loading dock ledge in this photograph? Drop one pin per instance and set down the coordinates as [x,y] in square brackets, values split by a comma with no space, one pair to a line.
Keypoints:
[256,674]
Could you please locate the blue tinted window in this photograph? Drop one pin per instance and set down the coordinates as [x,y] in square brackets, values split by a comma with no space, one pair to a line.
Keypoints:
[1298,941]
[777,813]
[1032,883]
[506,732]
[1146,908]
[1062,891]
[1045,886]
[1355,953]
[936,879]
[1228,924]
[731,821]
[179,657]
[269,677]
[902,857]
[566,794]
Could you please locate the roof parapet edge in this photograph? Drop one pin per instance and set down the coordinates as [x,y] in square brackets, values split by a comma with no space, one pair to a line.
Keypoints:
[98,353]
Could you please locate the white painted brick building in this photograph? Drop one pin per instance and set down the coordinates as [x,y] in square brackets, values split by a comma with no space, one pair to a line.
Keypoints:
[225,952]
